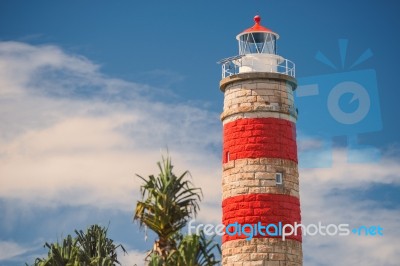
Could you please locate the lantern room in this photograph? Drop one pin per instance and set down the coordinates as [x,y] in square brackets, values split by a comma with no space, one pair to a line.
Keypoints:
[257,39]
[257,53]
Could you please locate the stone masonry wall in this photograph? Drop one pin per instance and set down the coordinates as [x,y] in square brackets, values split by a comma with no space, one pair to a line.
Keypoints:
[259,95]
[262,252]
[247,176]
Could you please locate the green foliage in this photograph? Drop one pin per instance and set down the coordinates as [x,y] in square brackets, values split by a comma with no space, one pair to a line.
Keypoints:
[196,250]
[92,248]
[168,202]
[66,254]
[97,248]
[192,250]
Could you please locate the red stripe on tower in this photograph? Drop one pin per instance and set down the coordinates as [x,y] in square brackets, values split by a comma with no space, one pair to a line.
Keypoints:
[274,210]
[260,137]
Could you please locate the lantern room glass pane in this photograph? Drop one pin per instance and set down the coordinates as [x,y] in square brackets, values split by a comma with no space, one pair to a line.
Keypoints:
[257,43]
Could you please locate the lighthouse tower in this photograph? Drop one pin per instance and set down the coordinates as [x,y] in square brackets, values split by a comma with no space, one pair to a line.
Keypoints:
[260,179]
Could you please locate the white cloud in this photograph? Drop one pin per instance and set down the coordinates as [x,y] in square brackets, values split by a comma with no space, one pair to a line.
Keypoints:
[133,258]
[9,250]
[20,61]
[326,195]
[308,144]
[353,175]
[70,135]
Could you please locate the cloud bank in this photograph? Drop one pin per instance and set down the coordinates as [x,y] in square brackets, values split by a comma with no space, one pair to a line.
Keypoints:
[70,135]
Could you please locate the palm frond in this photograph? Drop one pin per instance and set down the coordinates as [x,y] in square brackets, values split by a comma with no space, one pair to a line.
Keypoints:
[168,202]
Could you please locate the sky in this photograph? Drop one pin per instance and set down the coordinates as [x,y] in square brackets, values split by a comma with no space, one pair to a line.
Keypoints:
[94,92]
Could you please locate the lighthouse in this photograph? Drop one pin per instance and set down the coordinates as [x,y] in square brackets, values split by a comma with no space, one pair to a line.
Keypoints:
[260,179]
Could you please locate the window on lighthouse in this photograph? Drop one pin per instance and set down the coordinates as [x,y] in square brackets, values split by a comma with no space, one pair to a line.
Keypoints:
[279,178]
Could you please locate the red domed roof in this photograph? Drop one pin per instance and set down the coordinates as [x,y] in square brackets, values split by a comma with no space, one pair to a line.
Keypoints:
[257,27]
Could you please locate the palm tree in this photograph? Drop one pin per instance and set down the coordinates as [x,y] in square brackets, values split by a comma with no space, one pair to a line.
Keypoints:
[196,250]
[65,254]
[92,248]
[168,202]
[97,248]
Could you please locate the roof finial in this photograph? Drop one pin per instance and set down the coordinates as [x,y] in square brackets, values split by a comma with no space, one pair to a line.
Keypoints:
[257,19]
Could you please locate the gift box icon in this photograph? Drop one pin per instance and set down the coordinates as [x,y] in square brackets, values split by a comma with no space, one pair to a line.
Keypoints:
[344,103]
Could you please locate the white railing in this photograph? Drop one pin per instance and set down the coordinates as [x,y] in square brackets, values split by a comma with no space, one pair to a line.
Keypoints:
[234,65]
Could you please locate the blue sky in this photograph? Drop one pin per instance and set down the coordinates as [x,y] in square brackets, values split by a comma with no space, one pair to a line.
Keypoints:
[92,92]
